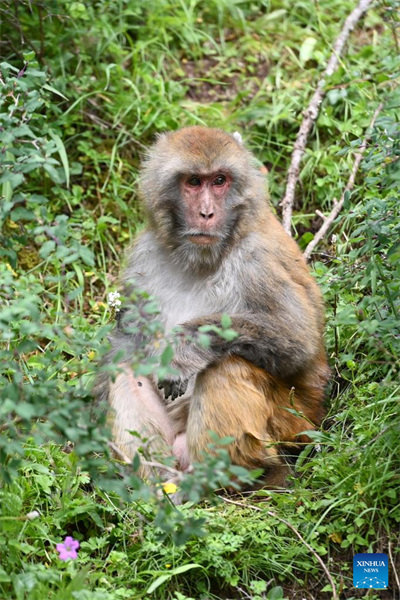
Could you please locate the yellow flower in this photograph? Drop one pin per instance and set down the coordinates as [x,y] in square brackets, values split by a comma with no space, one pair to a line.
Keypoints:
[9,267]
[169,487]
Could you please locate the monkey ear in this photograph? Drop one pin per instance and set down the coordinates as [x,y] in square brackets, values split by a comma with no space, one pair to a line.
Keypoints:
[237,137]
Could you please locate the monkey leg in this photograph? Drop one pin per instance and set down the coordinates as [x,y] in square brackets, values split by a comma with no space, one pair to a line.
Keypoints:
[136,406]
[237,399]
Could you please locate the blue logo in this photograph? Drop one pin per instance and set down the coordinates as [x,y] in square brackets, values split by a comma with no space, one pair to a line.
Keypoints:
[370,571]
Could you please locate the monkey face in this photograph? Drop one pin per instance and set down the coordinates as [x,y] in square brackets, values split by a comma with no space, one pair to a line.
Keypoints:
[204,200]
[201,193]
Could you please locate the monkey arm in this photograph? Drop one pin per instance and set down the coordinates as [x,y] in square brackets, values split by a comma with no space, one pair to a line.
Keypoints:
[281,347]
[276,347]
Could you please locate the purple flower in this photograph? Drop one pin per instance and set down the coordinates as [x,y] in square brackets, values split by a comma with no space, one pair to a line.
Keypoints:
[68,549]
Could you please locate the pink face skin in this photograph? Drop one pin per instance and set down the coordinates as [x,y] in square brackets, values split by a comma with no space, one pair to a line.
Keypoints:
[204,198]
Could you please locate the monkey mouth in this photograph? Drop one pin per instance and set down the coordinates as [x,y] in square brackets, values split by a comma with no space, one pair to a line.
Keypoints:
[202,239]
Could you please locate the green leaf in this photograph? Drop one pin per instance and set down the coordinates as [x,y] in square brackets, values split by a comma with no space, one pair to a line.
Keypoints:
[47,248]
[144,369]
[275,14]
[209,329]
[204,340]
[307,49]
[136,462]
[184,568]
[29,56]
[50,88]
[167,356]
[23,584]
[159,581]
[276,593]
[306,239]
[25,410]
[52,173]
[14,179]
[22,214]
[226,321]
[229,335]
[163,578]
[7,191]
[4,578]
[346,199]
[63,155]
[86,255]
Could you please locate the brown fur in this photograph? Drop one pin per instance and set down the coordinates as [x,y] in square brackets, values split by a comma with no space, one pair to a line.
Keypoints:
[249,387]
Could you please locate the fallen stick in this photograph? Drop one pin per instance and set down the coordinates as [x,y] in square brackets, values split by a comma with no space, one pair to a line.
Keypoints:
[327,221]
[311,113]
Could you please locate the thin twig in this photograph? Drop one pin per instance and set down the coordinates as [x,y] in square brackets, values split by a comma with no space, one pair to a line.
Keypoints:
[349,186]
[158,465]
[307,545]
[312,111]
[393,565]
[118,453]
[148,463]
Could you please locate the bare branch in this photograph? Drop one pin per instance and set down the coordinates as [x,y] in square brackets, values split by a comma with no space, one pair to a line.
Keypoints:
[349,186]
[312,111]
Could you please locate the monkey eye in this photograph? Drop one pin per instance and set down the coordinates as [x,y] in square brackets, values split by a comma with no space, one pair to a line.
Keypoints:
[219,180]
[194,181]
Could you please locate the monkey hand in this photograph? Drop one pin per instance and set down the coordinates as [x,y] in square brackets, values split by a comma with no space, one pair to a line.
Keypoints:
[173,387]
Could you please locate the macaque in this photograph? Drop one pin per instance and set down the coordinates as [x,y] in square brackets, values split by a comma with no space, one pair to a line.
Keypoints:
[212,247]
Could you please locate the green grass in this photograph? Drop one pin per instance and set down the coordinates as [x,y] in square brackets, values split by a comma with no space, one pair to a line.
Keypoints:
[102,79]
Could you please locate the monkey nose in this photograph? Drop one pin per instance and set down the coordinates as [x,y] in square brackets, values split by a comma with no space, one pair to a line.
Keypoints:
[206,215]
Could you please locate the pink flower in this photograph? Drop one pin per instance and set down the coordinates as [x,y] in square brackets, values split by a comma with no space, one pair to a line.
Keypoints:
[68,549]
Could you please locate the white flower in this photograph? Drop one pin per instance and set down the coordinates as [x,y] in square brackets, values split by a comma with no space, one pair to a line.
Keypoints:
[34,514]
[114,300]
